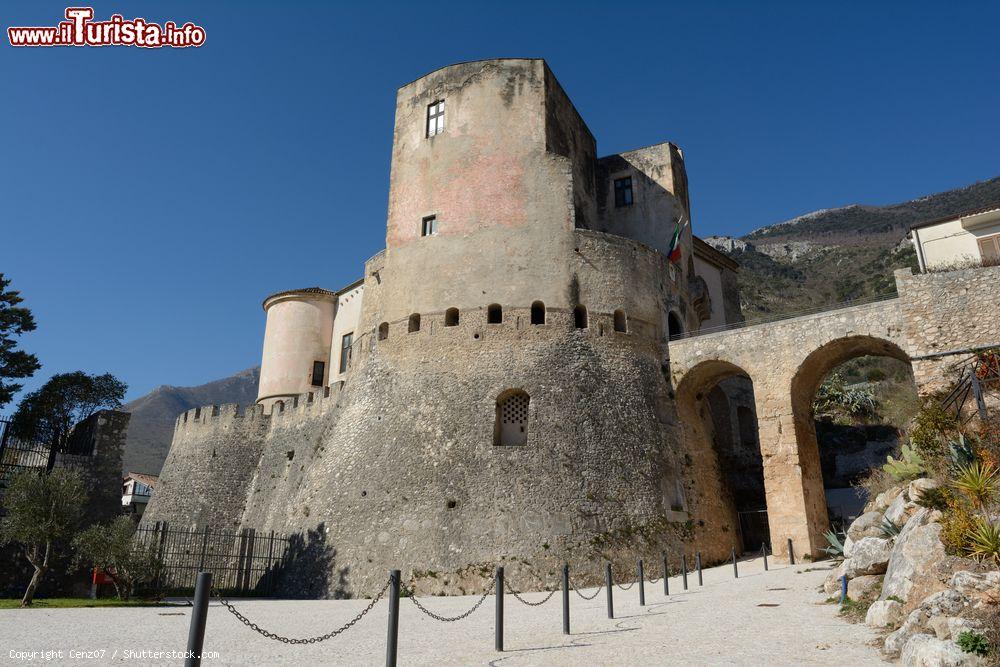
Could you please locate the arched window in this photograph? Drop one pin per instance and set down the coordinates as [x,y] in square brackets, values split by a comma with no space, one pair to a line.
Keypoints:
[538,313]
[621,321]
[414,324]
[511,426]
[451,317]
[278,404]
[494,314]
[674,325]
[383,331]
[580,317]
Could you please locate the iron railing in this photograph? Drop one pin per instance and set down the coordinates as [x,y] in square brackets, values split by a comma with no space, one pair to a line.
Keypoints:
[244,561]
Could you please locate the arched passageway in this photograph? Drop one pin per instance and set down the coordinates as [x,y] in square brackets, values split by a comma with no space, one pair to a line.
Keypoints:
[717,409]
[824,492]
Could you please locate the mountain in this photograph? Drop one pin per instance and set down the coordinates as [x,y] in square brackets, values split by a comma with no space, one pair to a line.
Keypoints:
[152,425]
[835,255]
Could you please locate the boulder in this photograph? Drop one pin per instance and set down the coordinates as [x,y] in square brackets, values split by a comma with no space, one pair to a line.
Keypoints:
[884,499]
[832,583]
[866,525]
[865,587]
[943,603]
[900,510]
[917,549]
[912,626]
[972,583]
[917,487]
[870,555]
[884,614]
[949,627]
[928,651]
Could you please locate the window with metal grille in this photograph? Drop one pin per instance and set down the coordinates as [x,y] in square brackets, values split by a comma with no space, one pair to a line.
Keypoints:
[319,369]
[435,118]
[623,192]
[345,351]
[429,226]
[512,418]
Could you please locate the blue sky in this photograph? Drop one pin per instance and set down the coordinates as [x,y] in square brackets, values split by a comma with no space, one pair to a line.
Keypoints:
[152,198]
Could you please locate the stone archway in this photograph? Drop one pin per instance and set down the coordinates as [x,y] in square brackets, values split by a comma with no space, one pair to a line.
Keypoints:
[707,401]
[805,382]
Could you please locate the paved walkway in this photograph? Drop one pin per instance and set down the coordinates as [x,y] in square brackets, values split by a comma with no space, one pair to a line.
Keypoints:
[773,618]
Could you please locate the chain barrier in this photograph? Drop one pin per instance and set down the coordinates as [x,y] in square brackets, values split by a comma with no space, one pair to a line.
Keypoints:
[523,601]
[303,640]
[654,580]
[577,591]
[449,619]
[625,588]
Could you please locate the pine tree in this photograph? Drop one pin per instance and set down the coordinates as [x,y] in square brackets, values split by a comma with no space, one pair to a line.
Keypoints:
[15,364]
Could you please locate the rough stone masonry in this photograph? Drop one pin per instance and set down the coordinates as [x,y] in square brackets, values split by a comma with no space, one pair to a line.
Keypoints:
[500,388]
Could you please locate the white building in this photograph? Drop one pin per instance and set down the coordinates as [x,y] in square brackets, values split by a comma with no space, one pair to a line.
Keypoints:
[137,489]
[966,239]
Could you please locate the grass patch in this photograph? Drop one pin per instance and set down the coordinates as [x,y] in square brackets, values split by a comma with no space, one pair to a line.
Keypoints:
[855,610]
[67,603]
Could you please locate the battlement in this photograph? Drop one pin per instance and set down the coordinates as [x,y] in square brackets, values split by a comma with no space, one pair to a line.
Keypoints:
[309,403]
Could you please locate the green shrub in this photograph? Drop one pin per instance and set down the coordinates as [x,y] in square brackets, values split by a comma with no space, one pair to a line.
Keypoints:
[973,642]
[932,428]
[937,498]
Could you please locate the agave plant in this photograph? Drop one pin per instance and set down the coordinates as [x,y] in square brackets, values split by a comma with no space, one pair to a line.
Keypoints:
[979,481]
[983,541]
[889,528]
[960,452]
[836,548]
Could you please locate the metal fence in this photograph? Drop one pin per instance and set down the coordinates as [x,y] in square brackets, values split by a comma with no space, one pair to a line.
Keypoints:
[244,561]
[17,455]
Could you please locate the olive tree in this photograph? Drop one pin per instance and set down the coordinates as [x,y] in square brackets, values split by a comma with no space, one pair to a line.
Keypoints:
[111,546]
[43,510]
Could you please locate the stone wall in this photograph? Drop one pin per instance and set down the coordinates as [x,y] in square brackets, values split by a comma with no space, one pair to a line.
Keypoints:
[946,314]
[214,455]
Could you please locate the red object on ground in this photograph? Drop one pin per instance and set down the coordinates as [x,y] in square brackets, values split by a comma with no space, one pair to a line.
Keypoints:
[101,577]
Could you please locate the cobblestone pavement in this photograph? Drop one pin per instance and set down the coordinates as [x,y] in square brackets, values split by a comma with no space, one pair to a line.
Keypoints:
[773,618]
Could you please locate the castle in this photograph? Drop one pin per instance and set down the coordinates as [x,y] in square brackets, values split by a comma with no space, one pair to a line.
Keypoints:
[497,387]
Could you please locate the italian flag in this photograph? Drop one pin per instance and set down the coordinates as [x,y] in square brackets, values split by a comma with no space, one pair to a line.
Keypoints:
[674,255]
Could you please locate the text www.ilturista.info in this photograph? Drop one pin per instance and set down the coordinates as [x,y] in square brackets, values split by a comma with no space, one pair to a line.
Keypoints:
[80,30]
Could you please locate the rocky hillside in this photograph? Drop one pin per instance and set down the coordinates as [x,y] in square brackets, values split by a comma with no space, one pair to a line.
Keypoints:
[152,425]
[835,255]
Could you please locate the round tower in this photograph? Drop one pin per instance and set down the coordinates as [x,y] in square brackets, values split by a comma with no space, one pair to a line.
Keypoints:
[297,338]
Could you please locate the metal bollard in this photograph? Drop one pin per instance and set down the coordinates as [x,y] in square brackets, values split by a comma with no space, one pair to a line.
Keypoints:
[791,552]
[736,572]
[697,562]
[763,549]
[608,585]
[199,614]
[498,644]
[565,596]
[393,633]
[684,570]
[843,588]
[666,576]
[642,584]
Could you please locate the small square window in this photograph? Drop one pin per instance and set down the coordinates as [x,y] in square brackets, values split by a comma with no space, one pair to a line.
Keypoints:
[429,226]
[435,118]
[623,192]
